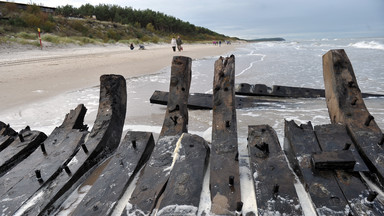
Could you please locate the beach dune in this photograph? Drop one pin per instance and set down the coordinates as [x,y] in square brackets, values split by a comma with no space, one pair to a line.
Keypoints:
[30,75]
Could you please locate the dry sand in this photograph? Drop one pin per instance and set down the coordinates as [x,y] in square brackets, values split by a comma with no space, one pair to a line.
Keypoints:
[30,75]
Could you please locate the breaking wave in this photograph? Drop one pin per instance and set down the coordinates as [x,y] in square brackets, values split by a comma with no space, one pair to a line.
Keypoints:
[368,45]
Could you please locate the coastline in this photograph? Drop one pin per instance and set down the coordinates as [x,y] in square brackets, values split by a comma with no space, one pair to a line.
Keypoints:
[29,75]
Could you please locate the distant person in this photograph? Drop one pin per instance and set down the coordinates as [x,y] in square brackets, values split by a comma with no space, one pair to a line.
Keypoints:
[173,44]
[219,42]
[132,47]
[179,42]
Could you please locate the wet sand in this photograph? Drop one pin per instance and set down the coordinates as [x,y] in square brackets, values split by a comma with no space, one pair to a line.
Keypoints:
[30,75]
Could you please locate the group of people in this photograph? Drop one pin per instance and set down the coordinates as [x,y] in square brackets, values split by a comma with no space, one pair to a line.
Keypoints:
[133,47]
[176,43]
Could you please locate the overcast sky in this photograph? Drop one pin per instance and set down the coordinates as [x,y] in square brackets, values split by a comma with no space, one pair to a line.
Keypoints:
[250,19]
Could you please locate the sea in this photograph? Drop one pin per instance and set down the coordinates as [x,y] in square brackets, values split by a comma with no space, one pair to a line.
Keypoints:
[296,63]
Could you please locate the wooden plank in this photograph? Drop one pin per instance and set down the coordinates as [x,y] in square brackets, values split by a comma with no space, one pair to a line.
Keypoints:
[7,135]
[5,129]
[204,101]
[5,141]
[48,159]
[341,140]
[340,160]
[130,156]
[332,139]
[100,143]
[182,194]
[300,143]
[346,106]
[155,175]
[273,179]
[284,91]
[224,172]
[26,142]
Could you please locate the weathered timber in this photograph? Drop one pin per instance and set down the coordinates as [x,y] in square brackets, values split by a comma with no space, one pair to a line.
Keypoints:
[25,143]
[340,160]
[340,141]
[154,176]
[100,143]
[132,153]
[345,105]
[5,141]
[5,129]
[48,158]
[224,171]
[299,145]
[284,91]
[182,194]
[205,101]
[332,139]
[7,135]
[273,179]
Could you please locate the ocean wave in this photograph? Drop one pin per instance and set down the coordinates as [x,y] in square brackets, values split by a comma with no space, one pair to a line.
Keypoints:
[368,45]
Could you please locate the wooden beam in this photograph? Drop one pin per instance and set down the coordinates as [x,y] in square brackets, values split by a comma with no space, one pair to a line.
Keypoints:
[340,141]
[273,179]
[332,139]
[300,143]
[48,158]
[224,173]
[132,154]
[100,144]
[284,91]
[24,144]
[205,101]
[182,194]
[346,106]
[154,177]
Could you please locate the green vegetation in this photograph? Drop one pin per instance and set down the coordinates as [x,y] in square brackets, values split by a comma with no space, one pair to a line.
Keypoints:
[90,24]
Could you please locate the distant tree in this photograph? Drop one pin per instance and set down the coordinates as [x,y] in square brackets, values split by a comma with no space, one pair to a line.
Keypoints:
[67,11]
[86,10]
[150,27]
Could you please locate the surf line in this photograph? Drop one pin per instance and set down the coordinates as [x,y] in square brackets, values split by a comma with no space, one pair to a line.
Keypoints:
[251,64]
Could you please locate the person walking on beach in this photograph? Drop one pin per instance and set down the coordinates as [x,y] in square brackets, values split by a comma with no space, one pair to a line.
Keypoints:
[173,44]
[179,42]
[132,47]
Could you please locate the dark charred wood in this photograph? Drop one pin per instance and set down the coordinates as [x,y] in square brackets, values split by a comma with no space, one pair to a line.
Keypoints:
[7,135]
[5,141]
[186,179]
[58,148]
[154,176]
[204,101]
[345,105]
[25,143]
[300,143]
[340,140]
[224,148]
[131,155]
[284,91]
[340,160]
[5,130]
[273,179]
[332,140]
[101,142]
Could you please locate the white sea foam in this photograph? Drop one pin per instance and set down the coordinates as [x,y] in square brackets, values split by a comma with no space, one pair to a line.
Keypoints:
[368,45]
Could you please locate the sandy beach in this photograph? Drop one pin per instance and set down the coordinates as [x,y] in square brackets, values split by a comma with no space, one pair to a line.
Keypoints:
[30,74]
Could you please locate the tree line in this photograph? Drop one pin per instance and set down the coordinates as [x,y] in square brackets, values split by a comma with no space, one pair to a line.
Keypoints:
[139,18]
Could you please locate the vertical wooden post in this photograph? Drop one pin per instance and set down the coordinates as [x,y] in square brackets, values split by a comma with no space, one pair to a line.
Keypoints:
[224,179]
[155,175]
[345,105]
